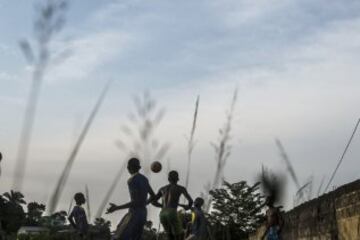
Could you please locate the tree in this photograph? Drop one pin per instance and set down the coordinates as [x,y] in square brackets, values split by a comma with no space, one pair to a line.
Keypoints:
[102,223]
[12,213]
[102,228]
[149,233]
[236,210]
[34,213]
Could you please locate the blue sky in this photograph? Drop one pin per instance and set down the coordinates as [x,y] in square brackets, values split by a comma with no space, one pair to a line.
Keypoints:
[295,64]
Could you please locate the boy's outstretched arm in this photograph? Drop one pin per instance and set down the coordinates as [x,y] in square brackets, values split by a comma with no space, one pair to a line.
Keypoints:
[113,207]
[133,203]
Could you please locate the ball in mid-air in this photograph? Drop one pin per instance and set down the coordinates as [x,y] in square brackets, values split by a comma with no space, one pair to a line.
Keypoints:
[156,167]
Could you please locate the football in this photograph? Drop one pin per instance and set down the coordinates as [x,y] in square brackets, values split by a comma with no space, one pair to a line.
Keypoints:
[156,167]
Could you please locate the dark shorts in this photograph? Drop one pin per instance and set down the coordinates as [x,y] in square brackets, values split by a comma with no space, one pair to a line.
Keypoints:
[170,221]
[273,233]
[131,225]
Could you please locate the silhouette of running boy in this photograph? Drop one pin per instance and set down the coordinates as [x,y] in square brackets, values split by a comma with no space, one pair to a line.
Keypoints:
[132,224]
[198,229]
[77,217]
[170,195]
[274,221]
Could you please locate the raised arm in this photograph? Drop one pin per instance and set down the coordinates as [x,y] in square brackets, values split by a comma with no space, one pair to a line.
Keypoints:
[134,196]
[113,207]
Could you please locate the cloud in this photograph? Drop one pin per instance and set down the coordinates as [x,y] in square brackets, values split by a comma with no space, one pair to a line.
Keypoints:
[4,76]
[90,53]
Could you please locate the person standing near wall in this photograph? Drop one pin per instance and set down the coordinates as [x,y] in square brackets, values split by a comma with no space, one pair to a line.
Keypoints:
[274,221]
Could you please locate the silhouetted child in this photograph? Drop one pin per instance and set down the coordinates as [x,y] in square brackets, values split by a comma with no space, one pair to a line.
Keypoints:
[274,221]
[132,224]
[170,195]
[77,217]
[198,229]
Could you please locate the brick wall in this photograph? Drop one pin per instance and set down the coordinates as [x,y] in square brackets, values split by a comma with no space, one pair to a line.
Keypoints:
[335,215]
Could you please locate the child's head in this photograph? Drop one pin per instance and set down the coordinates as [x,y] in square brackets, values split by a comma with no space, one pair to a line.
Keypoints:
[199,202]
[173,177]
[79,198]
[133,165]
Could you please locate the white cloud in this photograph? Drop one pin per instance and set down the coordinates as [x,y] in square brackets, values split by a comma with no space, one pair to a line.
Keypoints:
[4,76]
[89,54]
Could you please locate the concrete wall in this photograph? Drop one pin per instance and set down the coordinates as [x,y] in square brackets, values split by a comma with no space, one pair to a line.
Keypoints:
[335,215]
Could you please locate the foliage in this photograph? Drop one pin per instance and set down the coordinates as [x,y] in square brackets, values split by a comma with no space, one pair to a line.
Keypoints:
[236,210]
[14,197]
[56,221]
[149,232]
[34,213]
[102,227]
[12,213]
[101,222]
[41,236]
[47,236]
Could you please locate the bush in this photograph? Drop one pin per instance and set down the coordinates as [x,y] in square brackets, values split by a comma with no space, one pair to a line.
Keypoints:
[236,210]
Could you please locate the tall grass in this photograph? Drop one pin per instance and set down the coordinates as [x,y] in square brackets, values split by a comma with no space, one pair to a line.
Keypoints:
[291,171]
[288,164]
[87,196]
[320,186]
[139,133]
[54,199]
[138,140]
[110,191]
[342,156]
[70,206]
[303,192]
[300,194]
[191,144]
[222,149]
[49,21]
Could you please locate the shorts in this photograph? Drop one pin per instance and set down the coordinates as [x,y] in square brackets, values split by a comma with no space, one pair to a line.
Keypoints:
[170,221]
[273,233]
[131,225]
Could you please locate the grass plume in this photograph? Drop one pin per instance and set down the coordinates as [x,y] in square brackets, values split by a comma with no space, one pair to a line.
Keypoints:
[49,21]
[69,163]
[191,143]
[110,191]
[342,156]
[87,197]
[222,149]
[143,122]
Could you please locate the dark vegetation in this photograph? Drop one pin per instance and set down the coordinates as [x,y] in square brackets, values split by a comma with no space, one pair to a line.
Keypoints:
[236,211]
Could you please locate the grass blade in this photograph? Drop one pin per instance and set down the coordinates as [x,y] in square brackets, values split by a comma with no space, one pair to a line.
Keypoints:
[66,171]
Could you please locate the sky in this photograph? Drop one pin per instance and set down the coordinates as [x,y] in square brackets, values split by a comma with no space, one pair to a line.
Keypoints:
[294,63]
